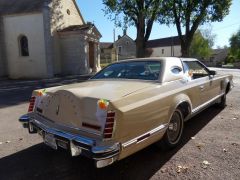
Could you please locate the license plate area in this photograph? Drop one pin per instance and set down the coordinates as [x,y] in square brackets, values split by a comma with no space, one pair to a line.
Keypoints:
[50,140]
[31,129]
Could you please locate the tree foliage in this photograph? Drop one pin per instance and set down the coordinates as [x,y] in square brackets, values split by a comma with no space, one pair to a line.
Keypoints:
[235,46]
[188,15]
[200,46]
[139,13]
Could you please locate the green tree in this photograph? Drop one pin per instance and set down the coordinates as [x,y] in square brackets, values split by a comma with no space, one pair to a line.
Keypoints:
[200,46]
[207,34]
[235,45]
[139,13]
[188,15]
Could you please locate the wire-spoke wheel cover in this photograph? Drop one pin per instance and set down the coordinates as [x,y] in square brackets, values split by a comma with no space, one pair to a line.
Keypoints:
[175,127]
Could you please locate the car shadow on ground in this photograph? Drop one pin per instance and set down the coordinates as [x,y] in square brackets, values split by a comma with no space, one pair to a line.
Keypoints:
[41,162]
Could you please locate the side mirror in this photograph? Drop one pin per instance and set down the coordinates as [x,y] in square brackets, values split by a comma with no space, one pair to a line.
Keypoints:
[212,72]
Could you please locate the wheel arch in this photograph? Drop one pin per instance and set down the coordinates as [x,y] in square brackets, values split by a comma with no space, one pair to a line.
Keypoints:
[228,87]
[183,103]
[228,83]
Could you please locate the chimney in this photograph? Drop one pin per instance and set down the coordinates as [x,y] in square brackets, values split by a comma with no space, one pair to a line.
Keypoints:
[125,31]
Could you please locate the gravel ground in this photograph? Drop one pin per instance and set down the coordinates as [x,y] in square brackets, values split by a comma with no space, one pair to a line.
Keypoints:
[210,148]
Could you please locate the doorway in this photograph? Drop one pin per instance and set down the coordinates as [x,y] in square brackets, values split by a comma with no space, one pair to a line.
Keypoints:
[91,55]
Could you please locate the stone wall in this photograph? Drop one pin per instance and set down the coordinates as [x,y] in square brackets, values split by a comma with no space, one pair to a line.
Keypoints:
[31,26]
[74,54]
[48,40]
[106,55]
[62,14]
[3,60]
[166,51]
[236,65]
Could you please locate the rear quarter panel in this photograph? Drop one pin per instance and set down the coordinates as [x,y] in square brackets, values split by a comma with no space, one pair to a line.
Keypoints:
[146,110]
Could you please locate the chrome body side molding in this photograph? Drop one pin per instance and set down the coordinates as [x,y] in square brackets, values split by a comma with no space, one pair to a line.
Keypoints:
[204,105]
[145,136]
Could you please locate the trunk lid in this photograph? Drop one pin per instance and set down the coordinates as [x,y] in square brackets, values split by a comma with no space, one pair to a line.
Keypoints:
[76,105]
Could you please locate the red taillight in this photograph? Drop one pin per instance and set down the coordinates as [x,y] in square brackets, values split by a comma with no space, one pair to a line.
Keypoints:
[31,104]
[108,129]
[110,114]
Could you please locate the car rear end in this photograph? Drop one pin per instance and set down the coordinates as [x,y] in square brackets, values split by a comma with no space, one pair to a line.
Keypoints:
[64,121]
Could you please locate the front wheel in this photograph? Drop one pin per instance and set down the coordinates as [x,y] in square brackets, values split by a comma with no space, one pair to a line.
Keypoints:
[173,134]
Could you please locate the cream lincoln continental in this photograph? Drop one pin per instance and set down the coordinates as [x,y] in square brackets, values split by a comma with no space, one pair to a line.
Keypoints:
[125,107]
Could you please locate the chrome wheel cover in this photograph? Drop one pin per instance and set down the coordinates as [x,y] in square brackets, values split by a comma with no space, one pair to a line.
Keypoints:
[174,130]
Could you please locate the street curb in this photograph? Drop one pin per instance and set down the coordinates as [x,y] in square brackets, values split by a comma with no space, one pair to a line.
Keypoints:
[7,82]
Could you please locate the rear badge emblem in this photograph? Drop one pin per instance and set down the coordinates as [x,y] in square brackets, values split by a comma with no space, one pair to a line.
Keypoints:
[57,111]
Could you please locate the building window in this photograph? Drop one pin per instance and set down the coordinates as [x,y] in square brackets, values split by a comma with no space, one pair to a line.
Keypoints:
[23,43]
[162,51]
[119,49]
[127,42]
[68,12]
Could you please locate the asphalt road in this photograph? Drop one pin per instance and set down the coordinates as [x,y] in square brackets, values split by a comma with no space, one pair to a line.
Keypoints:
[212,136]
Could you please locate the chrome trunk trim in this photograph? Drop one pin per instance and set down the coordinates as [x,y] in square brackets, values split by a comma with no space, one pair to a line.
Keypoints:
[104,155]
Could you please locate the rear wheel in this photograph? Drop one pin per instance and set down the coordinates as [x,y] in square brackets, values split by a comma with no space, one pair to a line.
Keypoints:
[173,134]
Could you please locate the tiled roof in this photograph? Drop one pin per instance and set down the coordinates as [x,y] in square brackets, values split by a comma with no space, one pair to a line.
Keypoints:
[83,27]
[21,6]
[169,41]
[77,27]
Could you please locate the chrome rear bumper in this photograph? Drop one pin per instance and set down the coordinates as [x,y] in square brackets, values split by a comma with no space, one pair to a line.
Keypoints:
[78,145]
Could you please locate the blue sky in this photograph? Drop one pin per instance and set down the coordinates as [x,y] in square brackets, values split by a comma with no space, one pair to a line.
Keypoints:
[92,11]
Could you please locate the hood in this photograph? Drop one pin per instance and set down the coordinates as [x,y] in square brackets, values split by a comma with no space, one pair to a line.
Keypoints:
[107,89]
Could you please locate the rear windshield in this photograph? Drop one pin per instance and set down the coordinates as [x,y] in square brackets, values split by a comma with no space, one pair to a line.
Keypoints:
[143,70]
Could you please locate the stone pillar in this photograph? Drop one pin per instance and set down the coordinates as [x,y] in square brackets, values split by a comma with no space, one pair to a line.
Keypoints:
[3,58]
[85,56]
[97,57]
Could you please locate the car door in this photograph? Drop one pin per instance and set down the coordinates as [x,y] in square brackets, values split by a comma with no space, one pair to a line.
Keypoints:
[212,85]
[201,81]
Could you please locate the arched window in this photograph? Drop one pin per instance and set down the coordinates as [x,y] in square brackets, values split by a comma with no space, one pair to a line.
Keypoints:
[23,43]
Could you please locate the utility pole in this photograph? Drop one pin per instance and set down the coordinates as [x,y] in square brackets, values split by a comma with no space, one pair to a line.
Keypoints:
[114,35]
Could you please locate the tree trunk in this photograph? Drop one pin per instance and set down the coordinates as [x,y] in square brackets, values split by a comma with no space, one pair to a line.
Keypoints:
[185,46]
[140,40]
[140,47]
[185,51]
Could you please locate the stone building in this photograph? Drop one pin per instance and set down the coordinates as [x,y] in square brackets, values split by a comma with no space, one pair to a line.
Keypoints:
[43,38]
[217,58]
[123,48]
[164,47]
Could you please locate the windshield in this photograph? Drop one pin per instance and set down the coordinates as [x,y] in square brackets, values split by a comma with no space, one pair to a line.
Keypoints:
[144,70]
